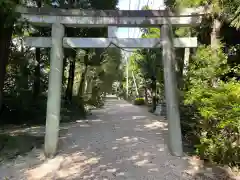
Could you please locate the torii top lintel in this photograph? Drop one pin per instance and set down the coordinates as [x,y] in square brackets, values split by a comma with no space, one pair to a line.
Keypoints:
[102,18]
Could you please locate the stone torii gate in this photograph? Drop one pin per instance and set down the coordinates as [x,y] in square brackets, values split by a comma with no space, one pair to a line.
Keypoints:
[59,18]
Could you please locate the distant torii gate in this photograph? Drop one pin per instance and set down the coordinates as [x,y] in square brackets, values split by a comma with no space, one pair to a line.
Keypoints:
[58,18]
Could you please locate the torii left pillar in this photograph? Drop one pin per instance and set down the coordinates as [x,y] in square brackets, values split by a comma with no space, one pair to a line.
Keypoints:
[54,91]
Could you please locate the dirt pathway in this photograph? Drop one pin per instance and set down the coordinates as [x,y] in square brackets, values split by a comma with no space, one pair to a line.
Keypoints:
[120,141]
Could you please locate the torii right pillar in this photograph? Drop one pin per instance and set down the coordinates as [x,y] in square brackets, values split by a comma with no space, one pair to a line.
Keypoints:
[170,85]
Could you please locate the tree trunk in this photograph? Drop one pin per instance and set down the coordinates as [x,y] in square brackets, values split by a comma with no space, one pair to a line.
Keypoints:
[70,3]
[135,84]
[81,86]
[71,73]
[154,94]
[215,42]
[186,60]
[146,95]
[186,57]
[86,85]
[5,39]
[83,76]
[23,72]
[64,67]
[216,27]
[89,86]
[82,82]
[37,70]
[22,83]
[37,74]
[62,3]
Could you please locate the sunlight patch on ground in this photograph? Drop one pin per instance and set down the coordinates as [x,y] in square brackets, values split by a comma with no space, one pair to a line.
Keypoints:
[127,139]
[86,121]
[153,170]
[71,166]
[84,125]
[133,158]
[155,125]
[162,147]
[112,170]
[114,148]
[80,121]
[46,168]
[96,120]
[20,130]
[138,117]
[125,105]
[142,163]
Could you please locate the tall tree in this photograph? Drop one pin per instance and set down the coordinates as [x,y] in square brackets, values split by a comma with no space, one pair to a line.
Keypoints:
[7,18]
[150,65]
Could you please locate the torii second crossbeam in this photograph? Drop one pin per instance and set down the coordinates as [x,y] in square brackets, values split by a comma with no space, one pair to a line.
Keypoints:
[44,42]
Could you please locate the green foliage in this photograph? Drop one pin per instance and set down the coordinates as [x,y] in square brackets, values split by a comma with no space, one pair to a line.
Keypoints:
[229,10]
[236,19]
[219,126]
[8,14]
[145,68]
[139,101]
[8,6]
[25,70]
[217,107]
[206,67]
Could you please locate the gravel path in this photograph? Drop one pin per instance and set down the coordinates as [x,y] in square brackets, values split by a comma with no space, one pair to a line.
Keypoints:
[118,142]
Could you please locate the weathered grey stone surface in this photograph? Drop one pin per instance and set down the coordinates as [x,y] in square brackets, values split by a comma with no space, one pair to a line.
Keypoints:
[109,13]
[109,42]
[170,86]
[77,21]
[54,90]
[100,18]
